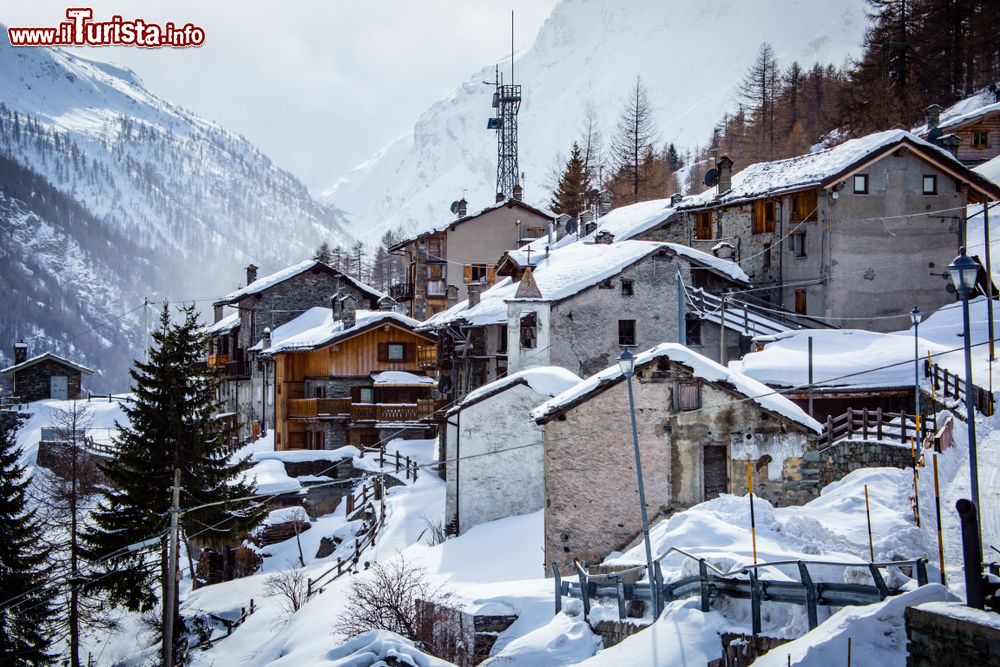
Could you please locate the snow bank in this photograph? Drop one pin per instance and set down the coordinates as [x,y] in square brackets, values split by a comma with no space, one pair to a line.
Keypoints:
[302,455]
[877,633]
[270,477]
[401,378]
[702,367]
[990,170]
[378,648]
[103,417]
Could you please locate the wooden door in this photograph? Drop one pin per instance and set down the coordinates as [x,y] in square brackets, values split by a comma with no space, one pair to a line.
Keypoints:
[715,468]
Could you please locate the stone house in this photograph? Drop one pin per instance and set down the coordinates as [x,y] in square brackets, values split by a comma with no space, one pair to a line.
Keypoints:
[348,378]
[699,425]
[45,376]
[485,481]
[970,127]
[267,303]
[861,230]
[443,262]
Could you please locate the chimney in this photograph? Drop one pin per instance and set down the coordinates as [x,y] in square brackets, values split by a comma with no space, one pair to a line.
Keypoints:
[604,237]
[725,167]
[474,291]
[420,282]
[218,312]
[386,304]
[950,143]
[463,208]
[20,352]
[932,115]
[267,338]
[450,296]
[335,306]
[251,273]
[518,192]
[676,199]
[349,311]
[500,197]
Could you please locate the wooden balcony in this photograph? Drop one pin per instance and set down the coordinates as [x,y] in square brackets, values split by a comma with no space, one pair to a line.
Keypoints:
[217,360]
[401,291]
[343,408]
[237,370]
[427,356]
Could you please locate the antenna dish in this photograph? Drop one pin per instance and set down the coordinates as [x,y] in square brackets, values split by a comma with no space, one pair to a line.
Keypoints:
[934,134]
[712,177]
[454,207]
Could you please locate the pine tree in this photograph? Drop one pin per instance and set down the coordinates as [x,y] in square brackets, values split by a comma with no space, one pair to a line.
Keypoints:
[673,158]
[758,92]
[171,424]
[26,591]
[323,253]
[634,135]
[571,191]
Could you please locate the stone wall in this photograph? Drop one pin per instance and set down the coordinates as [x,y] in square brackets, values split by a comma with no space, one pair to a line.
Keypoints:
[837,461]
[34,382]
[949,634]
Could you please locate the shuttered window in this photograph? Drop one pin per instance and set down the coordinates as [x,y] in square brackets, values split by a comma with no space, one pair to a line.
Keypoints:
[395,351]
[686,395]
[804,206]
[764,216]
[704,225]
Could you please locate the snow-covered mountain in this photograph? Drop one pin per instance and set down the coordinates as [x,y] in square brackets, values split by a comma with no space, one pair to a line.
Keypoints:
[179,204]
[690,55]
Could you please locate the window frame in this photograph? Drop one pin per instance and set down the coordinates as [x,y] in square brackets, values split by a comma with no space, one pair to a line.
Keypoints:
[627,287]
[384,354]
[624,335]
[797,244]
[804,295]
[934,184]
[704,225]
[528,330]
[682,390]
[867,184]
[692,331]
[980,133]
[764,216]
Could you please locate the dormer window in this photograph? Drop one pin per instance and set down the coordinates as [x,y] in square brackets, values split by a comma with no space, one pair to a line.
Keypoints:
[861,184]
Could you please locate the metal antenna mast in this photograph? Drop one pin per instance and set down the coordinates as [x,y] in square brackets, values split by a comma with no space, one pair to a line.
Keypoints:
[507,102]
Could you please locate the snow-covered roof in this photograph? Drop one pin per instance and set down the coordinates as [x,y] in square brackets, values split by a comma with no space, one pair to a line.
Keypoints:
[48,356]
[817,169]
[317,328]
[727,268]
[472,216]
[841,358]
[225,325]
[401,379]
[627,222]
[990,170]
[971,109]
[701,366]
[281,276]
[545,380]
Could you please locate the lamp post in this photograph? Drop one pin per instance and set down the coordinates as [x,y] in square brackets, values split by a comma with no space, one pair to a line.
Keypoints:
[915,317]
[964,271]
[626,362]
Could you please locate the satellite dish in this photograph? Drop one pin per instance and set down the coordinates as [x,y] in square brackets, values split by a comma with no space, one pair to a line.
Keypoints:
[454,207]
[711,177]
[934,134]
[571,226]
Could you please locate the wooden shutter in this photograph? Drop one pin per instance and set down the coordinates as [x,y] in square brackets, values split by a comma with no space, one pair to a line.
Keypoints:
[758,216]
[491,274]
[467,274]
[383,351]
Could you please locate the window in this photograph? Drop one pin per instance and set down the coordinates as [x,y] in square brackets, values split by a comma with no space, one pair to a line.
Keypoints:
[687,395]
[626,332]
[797,244]
[805,206]
[435,271]
[366,395]
[980,139]
[628,287]
[692,330]
[534,233]
[319,392]
[861,184]
[395,352]
[502,342]
[529,330]
[703,225]
[767,256]
[929,184]
[800,301]
[479,273]
[764,216]
[315,440]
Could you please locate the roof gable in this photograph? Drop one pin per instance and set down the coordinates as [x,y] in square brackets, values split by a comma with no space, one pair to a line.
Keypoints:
[444,227]
[316,328]
[48,356]
[278,277]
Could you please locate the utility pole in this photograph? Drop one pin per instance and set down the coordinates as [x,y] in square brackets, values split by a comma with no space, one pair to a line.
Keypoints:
[145,329]
[171,582]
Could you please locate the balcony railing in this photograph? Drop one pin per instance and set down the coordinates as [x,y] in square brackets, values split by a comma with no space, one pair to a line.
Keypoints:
[217,360]
[401,291]
[235,370]
[427,356]
[331,408]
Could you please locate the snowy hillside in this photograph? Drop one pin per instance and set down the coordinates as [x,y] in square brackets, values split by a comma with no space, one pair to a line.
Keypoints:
[182,204]
[586,55]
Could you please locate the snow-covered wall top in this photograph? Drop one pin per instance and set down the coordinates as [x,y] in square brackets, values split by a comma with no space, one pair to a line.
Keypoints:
[586,55]
[545,380]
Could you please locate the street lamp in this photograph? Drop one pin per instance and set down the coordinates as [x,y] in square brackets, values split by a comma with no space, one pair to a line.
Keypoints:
[915,317]
[626,362]
[964,271]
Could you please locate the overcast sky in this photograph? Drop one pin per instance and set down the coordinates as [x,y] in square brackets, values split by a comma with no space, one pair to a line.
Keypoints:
[319,86]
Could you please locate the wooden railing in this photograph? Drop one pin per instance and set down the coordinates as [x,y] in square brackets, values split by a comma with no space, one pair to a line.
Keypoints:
[237,369]
[317,408]
[404,463]
[950,385]
[427,356]
[875,425]
[217,360]
[230,625]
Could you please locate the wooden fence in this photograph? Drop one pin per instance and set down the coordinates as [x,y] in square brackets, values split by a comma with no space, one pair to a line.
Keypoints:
[404,463]
[950,385]
[875,425]
[230,625]
[318,408]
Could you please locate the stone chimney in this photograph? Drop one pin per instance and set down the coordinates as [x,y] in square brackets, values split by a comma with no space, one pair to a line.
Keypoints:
[474,292]
[251,273]
[463,208]
[932,115]
[267,338]
[500,197]
[420,281]
[518,192]
[218,312]
[604,237]
[676,199]
[349,311]
[335,306]
[387,304]
[950,143]
[450,296]
[20,352]
[725,167]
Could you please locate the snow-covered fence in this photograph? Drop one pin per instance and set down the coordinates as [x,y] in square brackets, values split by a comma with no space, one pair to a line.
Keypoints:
[358,499]
[403,463]
[228,624]
[741,583]
[950,385]
[875,425]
